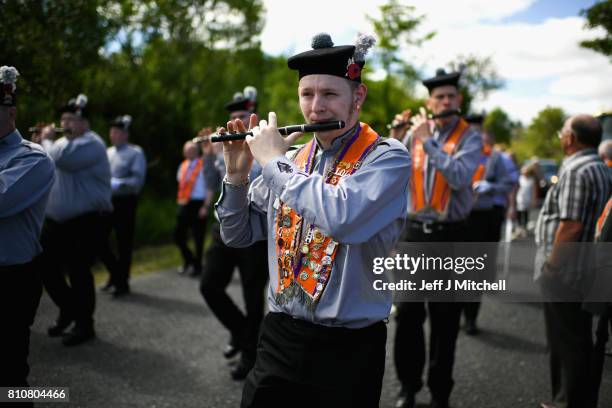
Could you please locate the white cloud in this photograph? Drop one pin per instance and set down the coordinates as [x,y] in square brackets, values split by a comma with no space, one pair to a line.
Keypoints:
[579,79]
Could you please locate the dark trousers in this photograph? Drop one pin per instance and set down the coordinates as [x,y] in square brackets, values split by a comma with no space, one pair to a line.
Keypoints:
[123,222]
[484,226]
[187,218]
[301,364]
[20,291]
[409,345]
[599,352]
[252,263]
[71,247]
[570,343]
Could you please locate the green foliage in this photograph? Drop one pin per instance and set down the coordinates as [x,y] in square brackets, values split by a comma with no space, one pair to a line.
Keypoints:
[540,138]
[599,15]
[479,77]
[155,220]
[395,29]
[498,124]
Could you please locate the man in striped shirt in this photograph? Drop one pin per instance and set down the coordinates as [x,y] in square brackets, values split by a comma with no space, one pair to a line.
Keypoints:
[569,214]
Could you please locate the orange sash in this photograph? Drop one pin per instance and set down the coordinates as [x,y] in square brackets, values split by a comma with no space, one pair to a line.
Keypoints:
[604,215]
[440,196]
[305,254]
[485,155]
[187,181]
[609,162]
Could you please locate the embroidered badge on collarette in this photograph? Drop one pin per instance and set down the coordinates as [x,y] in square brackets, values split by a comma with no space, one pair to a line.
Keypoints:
[305,253]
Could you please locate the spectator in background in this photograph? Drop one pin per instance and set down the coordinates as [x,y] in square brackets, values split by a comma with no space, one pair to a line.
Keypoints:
[569,214]
[525,198]
[193,201]
[605,152]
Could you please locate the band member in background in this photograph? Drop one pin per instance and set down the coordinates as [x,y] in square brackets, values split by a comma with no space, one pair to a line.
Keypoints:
[128,169]
[326,210]
[490,180]
[76,225]
[222,260]
[26,177]
[445,154]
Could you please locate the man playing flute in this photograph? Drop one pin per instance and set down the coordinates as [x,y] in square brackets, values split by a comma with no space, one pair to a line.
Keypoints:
[327,210]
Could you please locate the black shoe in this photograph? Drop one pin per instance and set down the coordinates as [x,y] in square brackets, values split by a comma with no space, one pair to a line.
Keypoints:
[78,336]
[121,291]
[470,328]
[108,286]
[231,349]
[242,369]
[439,403]
[405,400]
[58,329]
[183,270]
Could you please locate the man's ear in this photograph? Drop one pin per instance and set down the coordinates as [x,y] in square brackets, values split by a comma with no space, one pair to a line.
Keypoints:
[360,95]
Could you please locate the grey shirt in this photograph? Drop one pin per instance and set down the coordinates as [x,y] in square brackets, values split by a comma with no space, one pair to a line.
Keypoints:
[82,183]
[128,169]
[364,213]
[458,169]
[496,174]
[26,177]
[584,187]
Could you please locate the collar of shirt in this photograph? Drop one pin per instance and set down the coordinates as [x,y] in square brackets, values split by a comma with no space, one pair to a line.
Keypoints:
[11,139]
[578,154]
[442,133]
[337,142]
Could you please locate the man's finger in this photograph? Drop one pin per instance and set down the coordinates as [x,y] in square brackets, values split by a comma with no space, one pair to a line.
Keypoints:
[292,138]
[253,120]
[263,123]
[230,126]
[239,126]
[272,119]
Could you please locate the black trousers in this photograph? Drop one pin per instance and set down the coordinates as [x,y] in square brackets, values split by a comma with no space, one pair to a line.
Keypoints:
[20,291]
[123,222]
[409,345]
[484,226]
[252,263]
[301,364]
[70,248]
[187,218]
[570,343]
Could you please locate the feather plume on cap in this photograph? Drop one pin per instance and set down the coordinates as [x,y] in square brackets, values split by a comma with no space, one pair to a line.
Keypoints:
[81,101]
[250,92]
[8,76]
[363,43]
[127,121]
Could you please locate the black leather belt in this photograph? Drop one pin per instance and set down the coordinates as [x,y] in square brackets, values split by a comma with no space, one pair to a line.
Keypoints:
[429,227]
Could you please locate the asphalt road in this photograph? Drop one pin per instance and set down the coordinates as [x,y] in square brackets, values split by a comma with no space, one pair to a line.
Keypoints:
[161,347]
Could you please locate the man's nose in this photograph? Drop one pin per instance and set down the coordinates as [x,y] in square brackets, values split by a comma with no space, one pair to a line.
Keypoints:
[318,104]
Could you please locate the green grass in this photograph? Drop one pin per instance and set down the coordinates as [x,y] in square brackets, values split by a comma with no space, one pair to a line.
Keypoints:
[146,259]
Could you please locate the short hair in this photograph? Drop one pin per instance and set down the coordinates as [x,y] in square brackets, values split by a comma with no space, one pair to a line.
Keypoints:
[605,149]
[587,129]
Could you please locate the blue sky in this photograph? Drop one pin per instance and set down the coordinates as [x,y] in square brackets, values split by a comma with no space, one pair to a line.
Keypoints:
[543,9]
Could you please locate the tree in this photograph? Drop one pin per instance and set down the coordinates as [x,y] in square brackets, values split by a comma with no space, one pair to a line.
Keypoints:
[540,138]
[599,15]
[395,29]
[479,77]
[498,124]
